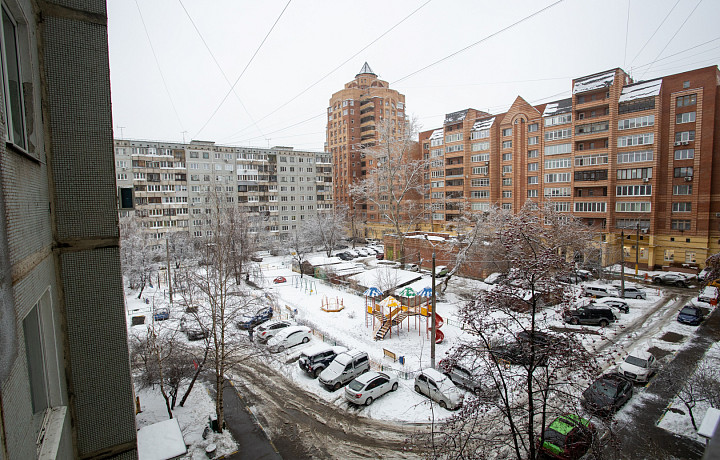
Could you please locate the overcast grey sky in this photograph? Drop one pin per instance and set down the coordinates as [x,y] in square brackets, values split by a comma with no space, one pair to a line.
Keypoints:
[535,59]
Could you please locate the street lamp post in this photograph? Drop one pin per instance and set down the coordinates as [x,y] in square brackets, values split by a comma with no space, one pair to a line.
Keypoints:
[622,263]
[433,328]
[637,247]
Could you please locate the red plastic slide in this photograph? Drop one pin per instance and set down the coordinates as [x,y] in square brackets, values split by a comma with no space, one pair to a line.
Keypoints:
[439,336]
[438,321]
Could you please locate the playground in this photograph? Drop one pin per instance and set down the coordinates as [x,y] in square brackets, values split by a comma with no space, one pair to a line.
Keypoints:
[394,329]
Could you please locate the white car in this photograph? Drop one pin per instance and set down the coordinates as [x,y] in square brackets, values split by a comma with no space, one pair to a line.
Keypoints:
[289,337]
[638,366]
[370,386]
[266,331]
[439,388]
[412,267]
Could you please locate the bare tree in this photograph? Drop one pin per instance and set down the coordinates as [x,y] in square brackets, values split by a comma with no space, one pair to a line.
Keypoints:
[140,254]
[394,184]
[531,371]
[702,387]
[302,239]
[329,227]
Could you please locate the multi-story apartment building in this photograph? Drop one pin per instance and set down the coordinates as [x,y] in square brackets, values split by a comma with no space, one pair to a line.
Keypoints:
[637,158]
[169,185]
[353,115]
[65,385]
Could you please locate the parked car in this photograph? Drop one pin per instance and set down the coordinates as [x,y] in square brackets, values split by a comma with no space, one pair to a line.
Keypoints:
[704,273]
[593,314]
[595,290]
[494,278]
[266,331]
[344,256]
[567,437]
[519,352]
[380,256]
[460,375]
[196,332]
[161,314]
[288,338]
[439,388]
[369,387]
[607,394]
[691,315]
[344,368]
[675,279]
[584,274]
[632,293]
[256,258]
[362,251]
[388,263]
[260,317]
[279,280]
[412,267]
[639,365]
[314,360]
[617,304]
[570,279]
[709,294]
[440,271]
[352,252]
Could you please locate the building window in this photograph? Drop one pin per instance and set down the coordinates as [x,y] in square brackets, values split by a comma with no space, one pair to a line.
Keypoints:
[632,206]
[507,132]
[507,206]
[565,133]
[532,193]
[685,189]
[686,84]
[635,157]
[532,166]
[558,149]
[12,84]
[532,180]
[635,173]
[669,255]
[534,140]
[685,154]
[480,146]
[507,144]
[507,169]
[557,177]
[684,101]
[685,136]
[689,257]
[680,224]
[532,127]
[558,119]
[507,194]
[636,139]
[507,182]
[507,156]
[532,153]
[637,122]
[557,163]
[682,207]
[683,172]
[686,117]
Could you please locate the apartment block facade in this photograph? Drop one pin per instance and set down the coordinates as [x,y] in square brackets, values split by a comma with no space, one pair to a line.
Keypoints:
[353,114]
[168,185]
[638,158]
[66,389]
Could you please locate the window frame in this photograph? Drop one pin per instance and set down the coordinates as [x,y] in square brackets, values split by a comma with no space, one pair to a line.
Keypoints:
[12,113]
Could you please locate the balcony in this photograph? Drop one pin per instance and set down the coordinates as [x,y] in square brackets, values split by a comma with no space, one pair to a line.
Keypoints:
[592,128]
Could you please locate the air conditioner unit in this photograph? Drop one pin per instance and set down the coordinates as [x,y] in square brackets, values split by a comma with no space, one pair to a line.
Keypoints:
[646,179]
[684,142]
[487,162]
[688,179]
[678,143]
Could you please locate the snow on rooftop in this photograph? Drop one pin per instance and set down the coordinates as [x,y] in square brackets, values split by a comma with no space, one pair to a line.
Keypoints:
[554,108]
[641,90]
[160,441]
[322,260]
[593,82]
[383,274]
[455,117]
[437,134]
[483,124]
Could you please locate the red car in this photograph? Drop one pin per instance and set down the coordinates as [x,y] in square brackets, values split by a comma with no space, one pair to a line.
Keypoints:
[279,279]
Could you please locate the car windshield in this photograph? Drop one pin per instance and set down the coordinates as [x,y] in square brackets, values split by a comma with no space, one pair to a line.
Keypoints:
[554,437]
[688,311]
[356,386]
[605,387]
[336,366]
[635,361]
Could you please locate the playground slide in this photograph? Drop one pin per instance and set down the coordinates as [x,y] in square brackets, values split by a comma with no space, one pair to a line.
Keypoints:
[438,321]
[439,336]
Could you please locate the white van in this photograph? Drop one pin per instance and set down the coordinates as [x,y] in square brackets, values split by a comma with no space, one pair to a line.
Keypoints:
[595,290]
[708,294]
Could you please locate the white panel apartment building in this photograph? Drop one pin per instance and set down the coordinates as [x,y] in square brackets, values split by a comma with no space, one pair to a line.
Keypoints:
[168,184]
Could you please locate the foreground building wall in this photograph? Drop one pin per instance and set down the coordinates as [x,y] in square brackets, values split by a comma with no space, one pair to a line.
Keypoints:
[65,382]
[635,157]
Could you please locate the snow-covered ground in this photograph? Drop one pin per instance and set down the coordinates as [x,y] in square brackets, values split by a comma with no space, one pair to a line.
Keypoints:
[301,299]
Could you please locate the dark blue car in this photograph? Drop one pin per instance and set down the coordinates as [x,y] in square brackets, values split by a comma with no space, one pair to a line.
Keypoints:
[260,317]
[690,315]
[161,314]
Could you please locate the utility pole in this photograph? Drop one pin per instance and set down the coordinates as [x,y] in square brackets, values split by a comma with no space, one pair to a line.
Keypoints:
[622,264]
[434,324]
[637,247]
[167,257]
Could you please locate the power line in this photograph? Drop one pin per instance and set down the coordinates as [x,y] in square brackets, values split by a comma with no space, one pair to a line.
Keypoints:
[246,67]
[227,80]
[683,51]
[656,31]
[345,62]
[627,28]
[672,38]
[478,42]
[157,63]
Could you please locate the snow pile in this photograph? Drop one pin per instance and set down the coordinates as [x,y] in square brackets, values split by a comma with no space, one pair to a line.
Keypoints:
[597,81]
[160,441]
[483,124]
[554,108]
[641,90]
[437,134]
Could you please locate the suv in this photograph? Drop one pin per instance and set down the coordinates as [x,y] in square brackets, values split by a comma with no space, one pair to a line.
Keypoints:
[591,314]
[677,279]
[632,293]
[314,360]
[593,290]
[460,375]
[260,317]
[439,388]
[344,368]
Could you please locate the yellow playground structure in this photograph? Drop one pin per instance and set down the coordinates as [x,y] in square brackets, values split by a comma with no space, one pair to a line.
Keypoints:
[391,312]
[331,305]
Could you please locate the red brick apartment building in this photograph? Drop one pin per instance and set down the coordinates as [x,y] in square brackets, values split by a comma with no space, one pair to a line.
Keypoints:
[640,157]
[352,116]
